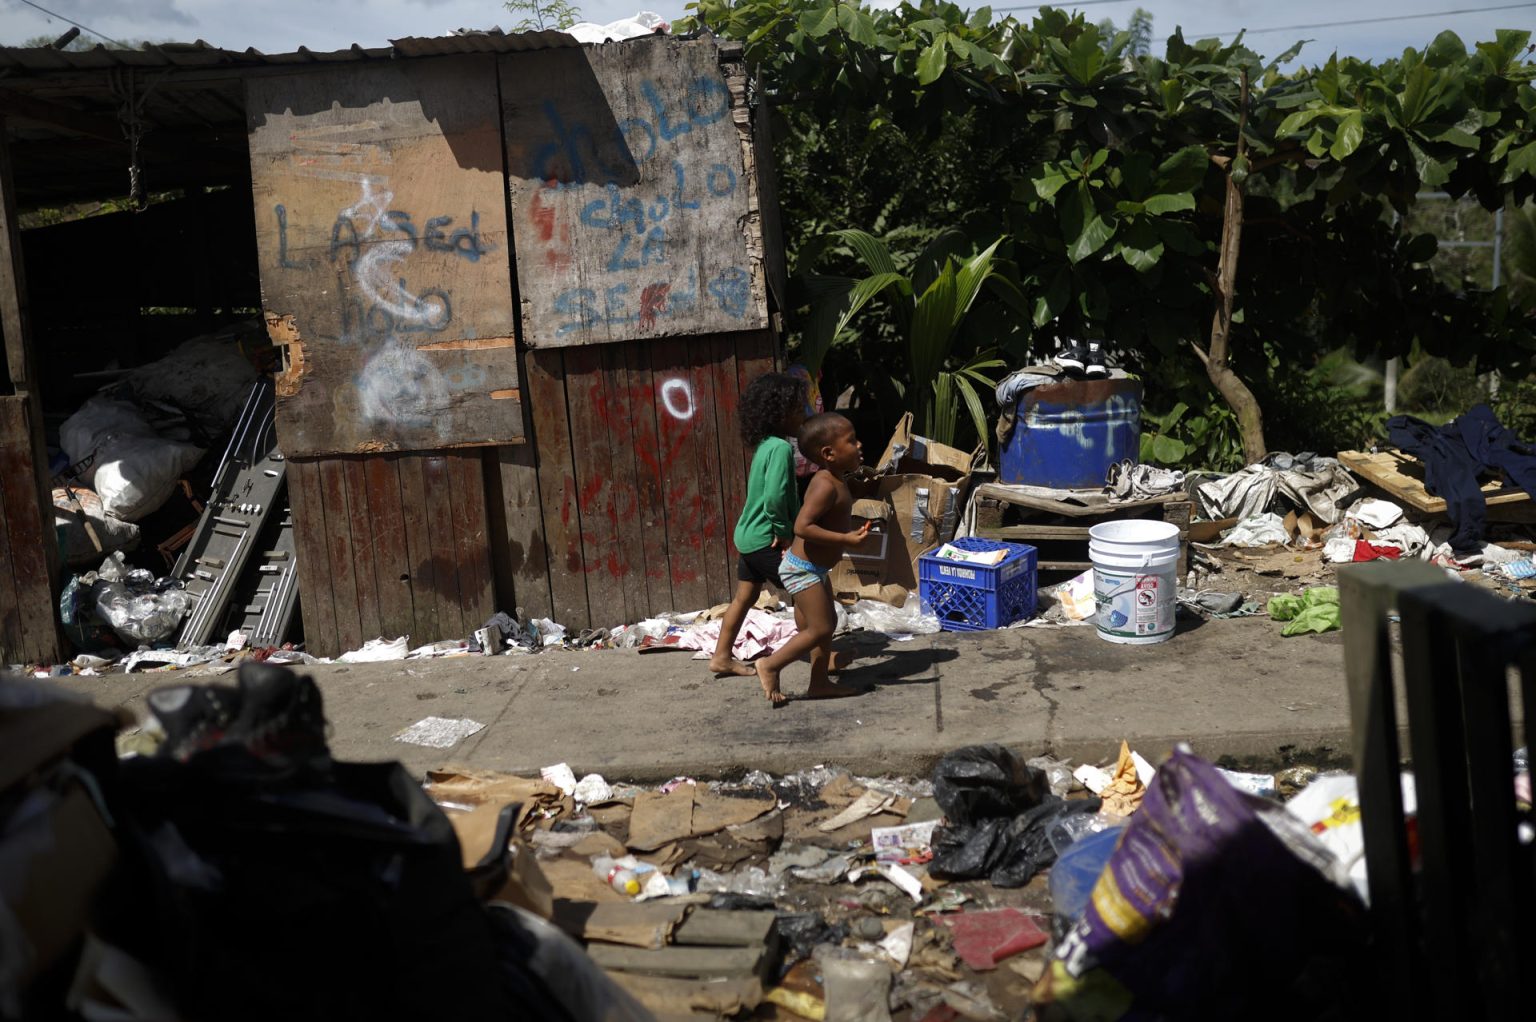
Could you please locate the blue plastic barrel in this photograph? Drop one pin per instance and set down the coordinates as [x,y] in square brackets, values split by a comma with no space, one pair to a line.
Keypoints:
[1066,435]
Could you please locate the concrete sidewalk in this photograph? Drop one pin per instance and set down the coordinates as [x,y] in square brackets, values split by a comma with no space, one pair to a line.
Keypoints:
[1230,688]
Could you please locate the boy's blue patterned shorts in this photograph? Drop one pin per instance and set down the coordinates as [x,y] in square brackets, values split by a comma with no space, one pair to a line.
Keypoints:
[798,574]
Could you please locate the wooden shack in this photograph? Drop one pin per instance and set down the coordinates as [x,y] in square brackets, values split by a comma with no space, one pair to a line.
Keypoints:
[519,285]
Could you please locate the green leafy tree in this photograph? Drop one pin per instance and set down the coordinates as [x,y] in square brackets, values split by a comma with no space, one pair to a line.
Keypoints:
[539,15]
[1198,208]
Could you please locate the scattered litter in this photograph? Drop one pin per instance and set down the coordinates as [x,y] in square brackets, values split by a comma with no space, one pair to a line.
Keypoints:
[1262,785]
[857,988]
[900,877]
[761,632]
[1260,530]
[908,843]
[591,790]
[439,732]
[829,871]
[1315,610]
[376,651]
[983,939]
[1122,795]
[561,776]
[1076,597]
[1374,513]
[1057,772]
[867,804]
[1093,778]
[914,617]
[898,944]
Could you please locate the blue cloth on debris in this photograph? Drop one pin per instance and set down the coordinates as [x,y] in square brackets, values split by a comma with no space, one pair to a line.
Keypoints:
[1455,454]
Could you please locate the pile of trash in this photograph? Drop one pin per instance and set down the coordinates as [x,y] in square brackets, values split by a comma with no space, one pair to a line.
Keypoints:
[236,846]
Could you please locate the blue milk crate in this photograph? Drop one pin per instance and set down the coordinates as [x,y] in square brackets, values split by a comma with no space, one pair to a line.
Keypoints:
[976,597]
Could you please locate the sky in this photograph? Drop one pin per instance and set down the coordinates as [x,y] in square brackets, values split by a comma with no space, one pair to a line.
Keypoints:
[277,26]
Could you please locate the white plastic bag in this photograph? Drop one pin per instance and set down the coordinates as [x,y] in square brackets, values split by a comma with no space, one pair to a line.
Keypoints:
[915,618]
[134,476]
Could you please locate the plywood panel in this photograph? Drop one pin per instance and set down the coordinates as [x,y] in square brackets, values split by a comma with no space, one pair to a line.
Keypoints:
[381,230]
[362,532]
[335,519]
[623,504]
[312,548]
[446,568]
[547,384]
[676,404]
[733,484]
[391,555]
[518,551]
[704,443]
[650,484]
[466,477]
[634,208]
[28,633]
[419,552]
[604,561]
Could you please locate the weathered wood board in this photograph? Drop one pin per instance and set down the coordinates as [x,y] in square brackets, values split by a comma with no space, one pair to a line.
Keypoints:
[381,230]
[641,476]
[634,192]
[400,548]
[1402,475]
[28,611]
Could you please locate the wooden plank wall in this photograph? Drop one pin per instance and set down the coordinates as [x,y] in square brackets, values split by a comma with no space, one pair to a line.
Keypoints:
[641,474]
[400,546]
[28,633]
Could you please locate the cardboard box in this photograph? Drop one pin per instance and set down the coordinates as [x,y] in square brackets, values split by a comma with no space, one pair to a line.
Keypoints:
[923,486]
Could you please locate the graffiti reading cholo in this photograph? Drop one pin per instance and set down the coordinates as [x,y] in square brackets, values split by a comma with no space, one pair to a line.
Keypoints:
[637,225]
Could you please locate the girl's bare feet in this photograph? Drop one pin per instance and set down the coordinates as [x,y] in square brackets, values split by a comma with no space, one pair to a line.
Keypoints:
[770,680]
[829,690]
[731,668]
[839,660]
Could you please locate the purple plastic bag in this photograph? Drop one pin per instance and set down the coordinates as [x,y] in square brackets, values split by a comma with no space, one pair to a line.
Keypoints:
[1212,906]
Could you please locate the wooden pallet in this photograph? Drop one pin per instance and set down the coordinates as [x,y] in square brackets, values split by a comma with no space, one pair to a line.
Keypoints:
[1402,476]
[1059,530]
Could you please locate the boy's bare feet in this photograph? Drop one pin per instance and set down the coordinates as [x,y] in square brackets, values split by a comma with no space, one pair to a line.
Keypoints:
[770,680]
[731,668]
[829,690]
[839,660]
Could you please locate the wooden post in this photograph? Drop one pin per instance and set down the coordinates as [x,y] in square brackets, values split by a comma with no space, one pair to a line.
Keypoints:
[27,510]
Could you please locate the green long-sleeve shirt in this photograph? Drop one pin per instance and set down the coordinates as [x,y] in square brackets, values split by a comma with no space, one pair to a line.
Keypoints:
[773,500]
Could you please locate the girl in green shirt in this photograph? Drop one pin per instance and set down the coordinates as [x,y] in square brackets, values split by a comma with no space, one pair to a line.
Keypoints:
[772,408]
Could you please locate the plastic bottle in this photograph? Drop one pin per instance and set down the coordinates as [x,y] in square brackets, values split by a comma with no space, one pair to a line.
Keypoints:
[616,875]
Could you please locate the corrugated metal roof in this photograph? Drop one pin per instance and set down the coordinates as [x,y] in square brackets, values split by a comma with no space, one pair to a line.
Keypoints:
[19,61]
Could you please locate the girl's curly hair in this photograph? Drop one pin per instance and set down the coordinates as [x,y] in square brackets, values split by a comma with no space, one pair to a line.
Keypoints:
[765,403]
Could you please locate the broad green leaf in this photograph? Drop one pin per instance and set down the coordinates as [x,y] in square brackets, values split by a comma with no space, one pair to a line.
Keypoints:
[1094,237]
[1184,170]
[1053,298]
[1173,96]
[1168,450]
[969,278]
[1046,187]
[973,403]
[871,250]
[1298,120]
[1454,136]
[1445,50]
[1317,145]
[931,64]
[1431,171]
[1347,138]
[1128,208]
[1140,247]
[981,17]
[818,23]
[1288,56]
[1096,161]
[1174,415]
[857,24]
[933,320]
[1416,95]
[1158,205]
[1521,161]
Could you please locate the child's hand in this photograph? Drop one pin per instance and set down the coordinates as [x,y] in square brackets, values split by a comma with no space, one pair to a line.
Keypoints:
[856,537]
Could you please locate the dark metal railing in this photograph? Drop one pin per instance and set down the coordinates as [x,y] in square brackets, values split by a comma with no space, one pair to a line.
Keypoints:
[1453,892]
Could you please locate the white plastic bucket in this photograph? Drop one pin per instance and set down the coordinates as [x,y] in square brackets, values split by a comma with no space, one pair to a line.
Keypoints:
[1135,581]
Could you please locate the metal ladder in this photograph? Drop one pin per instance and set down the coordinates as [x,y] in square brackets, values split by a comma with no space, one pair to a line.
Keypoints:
[249,484]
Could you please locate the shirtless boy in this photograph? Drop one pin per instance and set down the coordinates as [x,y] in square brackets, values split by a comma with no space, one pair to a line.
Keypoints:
[822,533]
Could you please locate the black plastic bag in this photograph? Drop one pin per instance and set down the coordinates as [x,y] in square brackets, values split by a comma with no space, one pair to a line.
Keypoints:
[1006,851]
[983,782]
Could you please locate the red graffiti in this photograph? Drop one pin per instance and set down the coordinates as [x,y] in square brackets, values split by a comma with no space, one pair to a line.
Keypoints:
[543,217]
[653,302]
[665,460]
